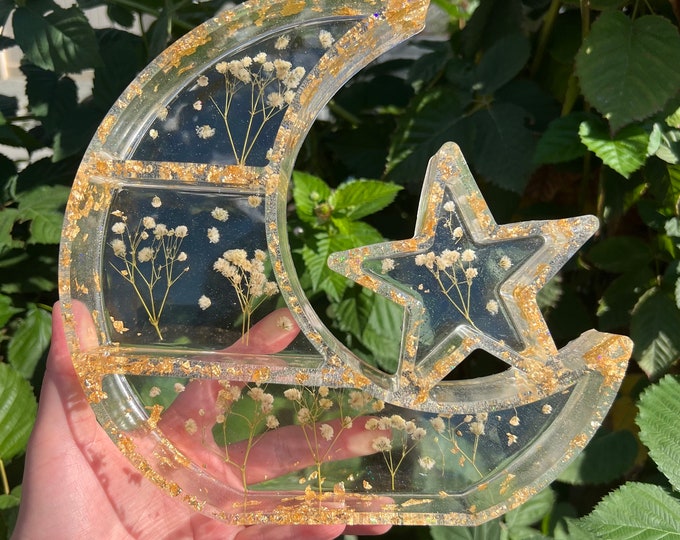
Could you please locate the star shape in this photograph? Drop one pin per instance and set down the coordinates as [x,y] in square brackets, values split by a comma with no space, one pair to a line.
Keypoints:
[467,283]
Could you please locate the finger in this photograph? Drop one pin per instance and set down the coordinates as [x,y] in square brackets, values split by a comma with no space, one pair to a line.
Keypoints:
[199,400]
[292,448]
[59,358]
[367,530]
[297,532]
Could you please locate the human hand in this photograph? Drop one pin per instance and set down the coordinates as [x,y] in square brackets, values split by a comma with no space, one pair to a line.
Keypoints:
[77,484]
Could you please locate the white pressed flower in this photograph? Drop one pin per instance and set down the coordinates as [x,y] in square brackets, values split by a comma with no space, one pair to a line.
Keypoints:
[546,409]
[458,233]
[292,79]
[205,131]
[220,214]
[470,274]
[244,75]
[288,96]
[387,265]
[145,254]
[260,255]
[190,426]
[118,228]
[438,424]
[282,68]
[272,422]
[246,61]
[154,392]
[477,428]
[148,222]
[119,248]
[371,424]
[268,67]
[514,421]
[202,81]
[260,58]
[213,235]
[292,394]
[449,206]
[426,462]
[162,113]
[418,434]
[204,302]
[505,263]
[381,444]
[468,255]
[284,323]
[326,39]
[275,100]
[420,259]
[325,403]
[156,201]
[326,431]
[221,67]
[160,230]
[347,422]
[492,307]
[270,289]
[144,235]
[153,133]
[179,387]
[181,231]
[281,42]
[512,439]
[398,422]
[357,400]
[198,105]
[303,415]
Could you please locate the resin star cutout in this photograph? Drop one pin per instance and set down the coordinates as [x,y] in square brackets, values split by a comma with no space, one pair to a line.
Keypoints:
[467,283]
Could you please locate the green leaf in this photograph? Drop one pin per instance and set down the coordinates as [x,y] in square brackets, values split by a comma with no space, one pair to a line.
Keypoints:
[428,66]
[62,41]
[503,146]
[561,141]
[625,152]
[491,530]
[620,254]
[659,408]
[12,499]
[42,199]
[618,60]
[501,62]
[531,512]
[360,198]
[30,341]
[7,310]
[315,257]
[308,192]
[435,117]
[654,330]
[619,298]
[8,217]
[640,511]
[606,458]
[17,412]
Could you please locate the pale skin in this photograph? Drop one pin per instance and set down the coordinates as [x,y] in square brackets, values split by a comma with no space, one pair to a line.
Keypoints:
[78,485]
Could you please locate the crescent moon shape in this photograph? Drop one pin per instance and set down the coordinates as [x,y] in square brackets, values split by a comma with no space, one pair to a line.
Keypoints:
[176,220]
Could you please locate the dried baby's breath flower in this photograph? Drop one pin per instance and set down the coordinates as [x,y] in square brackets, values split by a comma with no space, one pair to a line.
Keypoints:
[162,113]
[202,81]
[438,424]
[470,274]
[198,105]
[181,231]
[213,235]
[304,416]
[323,391]
[119,248]
[418,434]
[154,392]
[148,222]
[326,431]
[326,39]
[292,394]
[514,421]
[387,265]
[449,206]
[205,131]
[190,426]
[505,263]
[281,42]
[477,428]
[378,405]
[546,409]
[426,462]
[220,214]
[271,422]
[512,439]
[275,99]
[204,302]
[325,403]
[153,133]
[182,256]
[156,201]
[145,254]
[492,307]
[358,399]
[260,58]
[381,444]
[371,424]
[118,228]
[468,255]
[179,387]
[347,422]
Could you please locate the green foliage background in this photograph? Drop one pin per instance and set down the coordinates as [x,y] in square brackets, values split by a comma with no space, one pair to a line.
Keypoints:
[561,107]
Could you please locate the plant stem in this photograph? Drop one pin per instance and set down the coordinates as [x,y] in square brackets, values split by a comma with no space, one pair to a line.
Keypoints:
[546,31]
[3,475]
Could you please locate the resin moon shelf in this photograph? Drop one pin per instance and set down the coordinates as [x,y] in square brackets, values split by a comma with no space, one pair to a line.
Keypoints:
[175,246]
